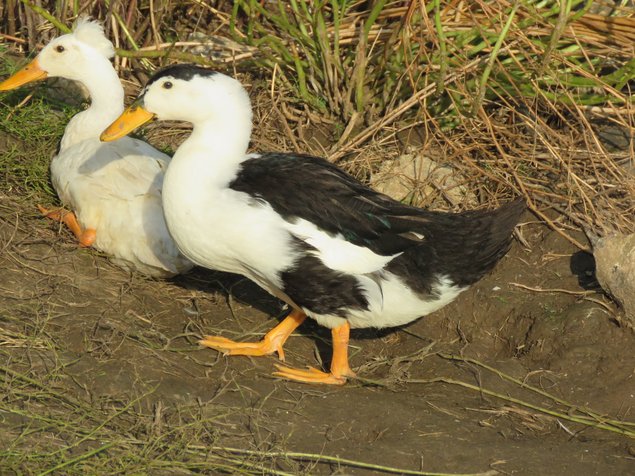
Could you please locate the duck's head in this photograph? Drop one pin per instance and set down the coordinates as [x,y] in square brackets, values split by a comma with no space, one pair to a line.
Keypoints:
[69,56]
[186,92]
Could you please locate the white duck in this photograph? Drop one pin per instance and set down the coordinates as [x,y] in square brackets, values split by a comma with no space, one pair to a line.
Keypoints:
[301,228]
[114,189]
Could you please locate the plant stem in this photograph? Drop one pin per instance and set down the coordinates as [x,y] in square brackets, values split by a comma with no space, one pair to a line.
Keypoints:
[539,391]
[443,59]
[553,413]
[492,58]
[46,15]
[81,457]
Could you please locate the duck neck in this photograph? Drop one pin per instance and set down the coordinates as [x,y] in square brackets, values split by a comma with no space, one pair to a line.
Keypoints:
[106,104]
[218,148]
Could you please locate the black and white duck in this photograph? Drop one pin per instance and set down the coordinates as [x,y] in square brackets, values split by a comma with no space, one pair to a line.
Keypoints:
[327,245]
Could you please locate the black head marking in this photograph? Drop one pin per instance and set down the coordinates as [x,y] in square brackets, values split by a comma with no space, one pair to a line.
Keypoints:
[181,71]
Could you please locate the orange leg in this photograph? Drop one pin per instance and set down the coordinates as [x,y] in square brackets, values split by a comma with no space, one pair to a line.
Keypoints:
[339,365]
[85,237]
[272,342]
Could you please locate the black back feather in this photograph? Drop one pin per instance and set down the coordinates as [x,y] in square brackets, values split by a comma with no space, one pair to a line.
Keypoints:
[462,246]
[302,186]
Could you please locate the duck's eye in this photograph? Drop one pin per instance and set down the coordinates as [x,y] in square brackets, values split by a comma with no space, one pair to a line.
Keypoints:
[59,49]
[167,85]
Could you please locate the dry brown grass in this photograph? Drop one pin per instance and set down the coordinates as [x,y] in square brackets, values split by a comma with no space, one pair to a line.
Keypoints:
[529,114]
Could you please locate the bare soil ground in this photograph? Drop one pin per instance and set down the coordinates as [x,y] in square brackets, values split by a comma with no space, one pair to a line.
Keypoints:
[101,372]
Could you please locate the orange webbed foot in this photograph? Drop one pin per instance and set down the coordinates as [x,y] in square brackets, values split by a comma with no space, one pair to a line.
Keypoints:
[340,369]
[230,347]
[52,214]
[85,237]
[312,375]
[272,342]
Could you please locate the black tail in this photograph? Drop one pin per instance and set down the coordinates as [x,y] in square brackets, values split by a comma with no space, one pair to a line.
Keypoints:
[461,246]
[472,245]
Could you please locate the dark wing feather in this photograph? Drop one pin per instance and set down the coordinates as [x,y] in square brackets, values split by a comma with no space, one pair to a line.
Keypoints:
[462,246]
[310,188]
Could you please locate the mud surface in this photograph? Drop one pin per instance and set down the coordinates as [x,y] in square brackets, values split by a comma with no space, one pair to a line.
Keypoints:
[100,335]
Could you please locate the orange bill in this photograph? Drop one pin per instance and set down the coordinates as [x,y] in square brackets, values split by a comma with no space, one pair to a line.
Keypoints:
[129,120]
[31,72]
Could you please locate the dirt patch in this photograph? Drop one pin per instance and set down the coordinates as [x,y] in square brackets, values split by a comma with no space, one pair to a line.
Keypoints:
[123,349]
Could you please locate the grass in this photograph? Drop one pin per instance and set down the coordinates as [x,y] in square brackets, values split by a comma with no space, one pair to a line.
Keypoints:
[34,131]
[492,84]
[48,430]
[75,436]
[397,49]
[550,406]
[567,411]
[50,427]
[514,96]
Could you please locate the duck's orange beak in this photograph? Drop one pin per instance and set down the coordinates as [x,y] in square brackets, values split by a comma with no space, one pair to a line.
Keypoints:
[129,120]
[31,72]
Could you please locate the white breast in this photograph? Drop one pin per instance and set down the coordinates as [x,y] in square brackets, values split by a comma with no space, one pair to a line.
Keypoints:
[219,228]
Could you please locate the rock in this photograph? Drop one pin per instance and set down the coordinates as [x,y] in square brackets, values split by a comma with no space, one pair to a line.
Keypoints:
[615,137]
[615,270]
[412,177]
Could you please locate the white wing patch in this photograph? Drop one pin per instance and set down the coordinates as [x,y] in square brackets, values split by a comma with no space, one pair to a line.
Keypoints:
[337,253]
